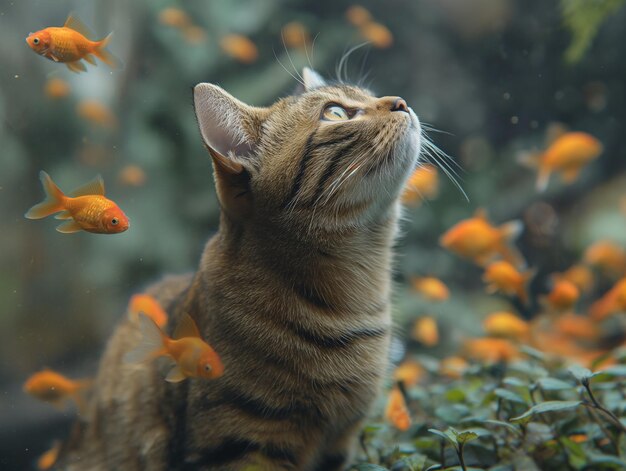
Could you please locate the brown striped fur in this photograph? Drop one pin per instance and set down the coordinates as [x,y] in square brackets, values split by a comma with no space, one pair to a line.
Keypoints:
[293,294]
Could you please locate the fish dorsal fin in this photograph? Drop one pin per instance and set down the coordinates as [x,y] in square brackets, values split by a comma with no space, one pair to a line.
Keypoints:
[186,328]
[93,187]
[74,23]
[481,213]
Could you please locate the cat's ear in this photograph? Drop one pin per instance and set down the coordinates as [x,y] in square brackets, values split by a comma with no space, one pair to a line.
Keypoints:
[312,79]
[231,131]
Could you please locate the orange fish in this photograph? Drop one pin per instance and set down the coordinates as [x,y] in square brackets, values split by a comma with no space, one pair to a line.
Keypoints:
[378,34]
[295,35]
[132,175]
[425,331]
[453,367]
[579,327]
[478,240]
[96,113]
[580,275]
[491,350]
[431,288]
[505,324]
[174,17]
[613,301]
[193,356]
[49,458]
[423,184]
[194,34]
[504,277]
[69,44]
[358,15]
[568,154]
[409,372]
[148,305]
[606,255]
[85,209]
[57,88]
[56,389]
[239,47]
[563,296]
[396,411]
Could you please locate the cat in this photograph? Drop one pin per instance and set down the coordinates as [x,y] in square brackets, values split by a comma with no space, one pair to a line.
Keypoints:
[293,293]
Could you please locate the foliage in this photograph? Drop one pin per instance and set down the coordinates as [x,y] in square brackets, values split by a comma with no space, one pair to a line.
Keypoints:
[531,414]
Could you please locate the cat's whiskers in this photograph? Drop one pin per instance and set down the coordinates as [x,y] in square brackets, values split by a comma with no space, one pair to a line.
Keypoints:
[301,81]
[442,160]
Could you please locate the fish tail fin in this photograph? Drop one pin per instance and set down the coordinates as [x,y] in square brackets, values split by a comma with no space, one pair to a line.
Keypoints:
[523,289]
[105,56]
[542,179]
[53,202]
[533,160]
[510,231]
[152,343]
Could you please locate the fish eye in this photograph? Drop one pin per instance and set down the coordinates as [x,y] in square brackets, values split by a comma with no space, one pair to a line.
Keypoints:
[36,41]
[207,368]
[115,221]
[334,112]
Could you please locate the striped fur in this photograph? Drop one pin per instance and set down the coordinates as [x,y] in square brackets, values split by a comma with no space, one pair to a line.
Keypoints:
[293,293]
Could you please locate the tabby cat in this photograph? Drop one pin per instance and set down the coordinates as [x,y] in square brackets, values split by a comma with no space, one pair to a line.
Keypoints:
[292,292]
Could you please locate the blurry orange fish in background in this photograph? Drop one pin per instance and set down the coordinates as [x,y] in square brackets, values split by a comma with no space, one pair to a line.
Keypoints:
[608,257]
[194,34]
[57,88]
[613,301]
[295,35]
[409,372]
[69,45]
[425,331]
[96,113]
[453,367]
[563,296]
[148,305]
[239,47]
[423,184]
[577,326]
[49,458]
[85,209]
[431,288]
[506,324]
[478,240]
[174,17]
[376,33]
[504,277]
[54,388]
[132,175]
[579,275]
[567,155]
[396,411]
[358,15]
[491,350]
[193,356]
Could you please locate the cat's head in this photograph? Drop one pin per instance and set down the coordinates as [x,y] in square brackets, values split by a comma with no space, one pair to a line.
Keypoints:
[332,157]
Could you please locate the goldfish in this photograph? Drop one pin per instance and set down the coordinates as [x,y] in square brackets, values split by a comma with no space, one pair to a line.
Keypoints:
[423,184]
[409,372]
[96,113]
[613,301]
[478,240]
[57,88]
[563,296]
[396,411]
[295,35]
[69,44]
[579,327]
[358,15]
[491,350]
[54,388]
[431,288]
[149,306]
[425,331]
[504,277]
[174,17]
[194,34]
[49,458]
[568,154]
[194,357]
[239,47]
[378,34]
[505,324]
[84,209]
[579,275]
[132,175]
[606,255]
[453,367]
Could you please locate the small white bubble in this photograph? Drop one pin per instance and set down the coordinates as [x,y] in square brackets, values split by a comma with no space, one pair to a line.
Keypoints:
[17,76]
[506,96]
[514,119]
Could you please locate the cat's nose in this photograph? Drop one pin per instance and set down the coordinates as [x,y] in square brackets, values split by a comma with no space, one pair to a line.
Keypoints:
[393,103]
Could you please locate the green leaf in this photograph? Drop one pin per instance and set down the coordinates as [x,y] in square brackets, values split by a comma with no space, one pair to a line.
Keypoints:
[602,461]
[515,382]
[532,352]
[553,384]
[580,373]
[455,395]
[543,407]
[507,425]
[447,435]
[616,370]
[509,396]
[466,436]
[368,467]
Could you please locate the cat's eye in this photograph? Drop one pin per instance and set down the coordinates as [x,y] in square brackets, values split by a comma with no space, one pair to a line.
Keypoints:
[335,113]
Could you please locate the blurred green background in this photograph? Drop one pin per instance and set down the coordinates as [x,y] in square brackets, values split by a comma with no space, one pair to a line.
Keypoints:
[494,75]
